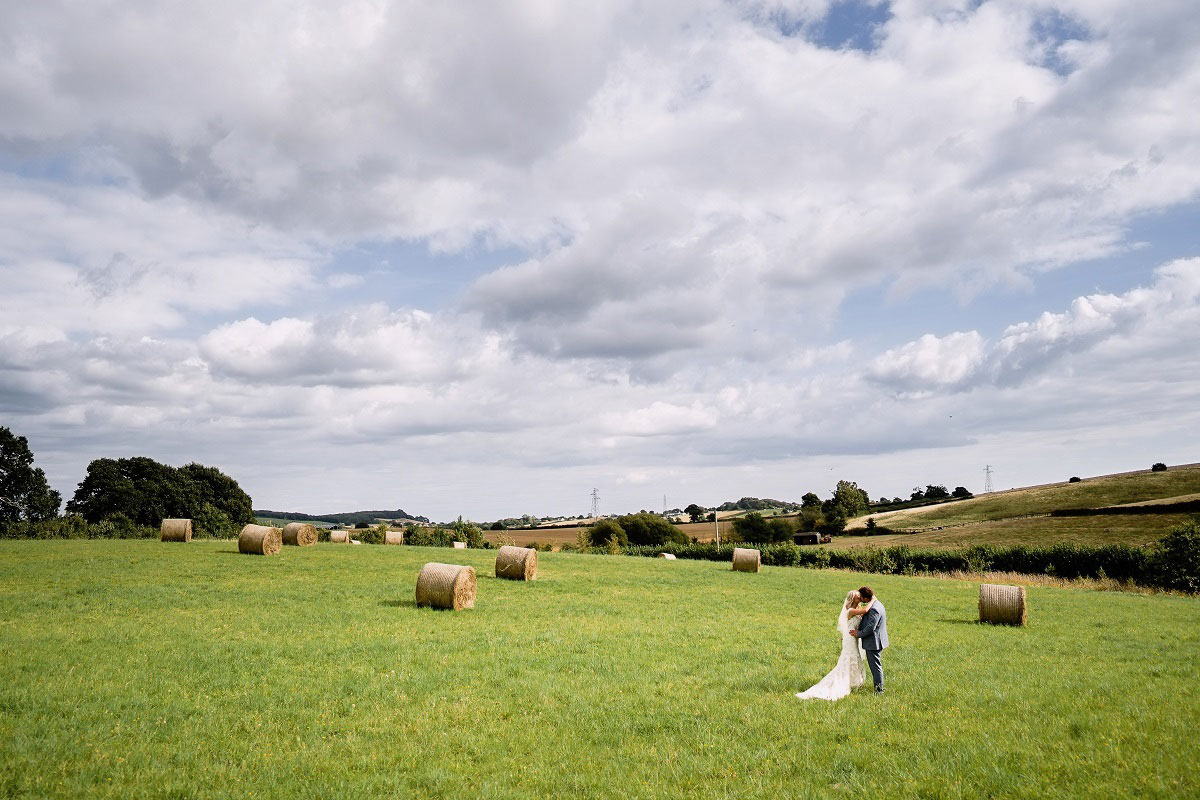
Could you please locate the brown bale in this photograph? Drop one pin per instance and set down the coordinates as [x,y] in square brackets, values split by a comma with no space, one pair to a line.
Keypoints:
[517,563]
[446,586]
[299,534]
[260,540]
[339,537]
[393,537]
[746,559]
[1002,605]
[176,530]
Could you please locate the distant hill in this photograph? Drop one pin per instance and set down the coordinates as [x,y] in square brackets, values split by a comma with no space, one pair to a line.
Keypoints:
[1127,508]
[348,518]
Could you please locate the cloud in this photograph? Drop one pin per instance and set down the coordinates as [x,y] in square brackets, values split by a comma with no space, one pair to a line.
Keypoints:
[689,191]
[931,362]
[1162,316]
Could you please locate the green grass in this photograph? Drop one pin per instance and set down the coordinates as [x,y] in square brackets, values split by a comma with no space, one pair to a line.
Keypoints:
[1089,493]
[1035,531]
[141,669]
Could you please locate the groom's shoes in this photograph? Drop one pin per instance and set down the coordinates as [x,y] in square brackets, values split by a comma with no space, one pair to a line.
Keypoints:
[879,691]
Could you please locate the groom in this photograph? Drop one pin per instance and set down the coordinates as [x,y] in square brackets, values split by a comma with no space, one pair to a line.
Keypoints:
[872,633]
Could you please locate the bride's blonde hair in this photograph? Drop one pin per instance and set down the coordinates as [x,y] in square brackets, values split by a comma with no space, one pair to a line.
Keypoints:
[850,597]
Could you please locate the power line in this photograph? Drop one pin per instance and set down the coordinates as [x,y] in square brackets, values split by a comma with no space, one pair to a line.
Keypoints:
[987,478]
[595,503]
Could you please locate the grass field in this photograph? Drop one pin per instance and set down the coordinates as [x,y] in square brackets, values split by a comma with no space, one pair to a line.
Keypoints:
[1089,493]
[1096,530]
[140,669]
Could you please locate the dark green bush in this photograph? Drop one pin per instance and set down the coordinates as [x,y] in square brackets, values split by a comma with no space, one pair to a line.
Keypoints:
[649,529]
[428,537]
[605,529]
[1175,562]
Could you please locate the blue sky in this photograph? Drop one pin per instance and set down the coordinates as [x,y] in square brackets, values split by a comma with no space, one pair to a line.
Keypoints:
[401,255]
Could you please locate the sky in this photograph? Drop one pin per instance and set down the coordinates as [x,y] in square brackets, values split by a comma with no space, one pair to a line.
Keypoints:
[480,259]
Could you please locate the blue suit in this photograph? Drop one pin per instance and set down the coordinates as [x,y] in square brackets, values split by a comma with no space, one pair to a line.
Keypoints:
[872,634]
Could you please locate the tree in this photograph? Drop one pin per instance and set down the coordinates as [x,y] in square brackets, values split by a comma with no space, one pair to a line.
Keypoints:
[961,491]
[645,528]
[849,500]
[604,530]
[809,500]
[25,496]
[781,530]
[695,513]
[917,493]
[147,492]
[1074,479]
[1158,467]
[936,491]
[467,532]
[752,528]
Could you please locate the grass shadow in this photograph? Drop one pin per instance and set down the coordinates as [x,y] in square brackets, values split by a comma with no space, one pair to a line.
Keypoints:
[399,603]
[960,621]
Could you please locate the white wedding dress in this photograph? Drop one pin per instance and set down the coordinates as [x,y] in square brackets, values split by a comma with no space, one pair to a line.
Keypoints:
[848,673]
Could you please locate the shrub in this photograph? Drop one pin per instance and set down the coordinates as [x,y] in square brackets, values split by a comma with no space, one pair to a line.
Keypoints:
[649,529]
[428,537]
[214,523]
[1074,479]
[1158,466]
[604,530]
[1175,562]
[468,532]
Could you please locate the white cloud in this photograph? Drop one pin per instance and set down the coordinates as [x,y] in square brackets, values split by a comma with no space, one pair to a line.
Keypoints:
[689,193]
[1161,317]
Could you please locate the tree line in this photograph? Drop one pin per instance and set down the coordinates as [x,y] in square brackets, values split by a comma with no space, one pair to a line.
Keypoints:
[120,497]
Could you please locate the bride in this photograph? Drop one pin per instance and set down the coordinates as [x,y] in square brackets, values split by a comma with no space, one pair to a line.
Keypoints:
[848,673]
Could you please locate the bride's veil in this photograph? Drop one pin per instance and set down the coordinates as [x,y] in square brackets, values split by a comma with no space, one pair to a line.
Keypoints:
[843,623]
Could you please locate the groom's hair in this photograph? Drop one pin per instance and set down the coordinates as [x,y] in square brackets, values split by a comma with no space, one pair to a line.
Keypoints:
[866,593]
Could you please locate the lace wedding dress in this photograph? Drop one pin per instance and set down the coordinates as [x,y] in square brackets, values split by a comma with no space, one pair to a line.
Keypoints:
[848,673]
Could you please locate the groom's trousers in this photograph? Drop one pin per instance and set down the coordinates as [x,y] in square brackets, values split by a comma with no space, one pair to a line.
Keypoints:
[876,666]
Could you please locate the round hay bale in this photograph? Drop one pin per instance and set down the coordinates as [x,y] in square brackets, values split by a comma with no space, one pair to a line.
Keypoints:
[299,534]
[393,537]
[460,545]
[1001,605]
[446,586]
[260,540]
[746,559]
[176,530]
[516,563]
[667,556]
[339,537]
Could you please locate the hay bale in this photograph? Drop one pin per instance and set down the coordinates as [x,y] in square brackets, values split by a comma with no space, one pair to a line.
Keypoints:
[746,560]
[667,556]
[1001,605]
[339,537]
[516,563]
[176,530]
[460,545]
[299,534]
[355,541]
[446,586]
[260,540]
[393,537]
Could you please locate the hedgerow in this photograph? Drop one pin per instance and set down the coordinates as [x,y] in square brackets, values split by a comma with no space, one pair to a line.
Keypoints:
[1171,563]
